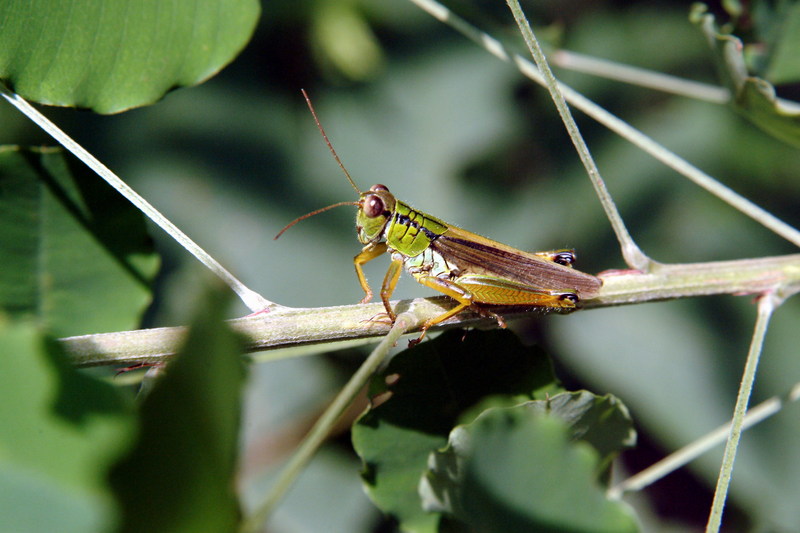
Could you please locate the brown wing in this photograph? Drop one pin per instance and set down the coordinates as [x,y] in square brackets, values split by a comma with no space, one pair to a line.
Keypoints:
[471,253]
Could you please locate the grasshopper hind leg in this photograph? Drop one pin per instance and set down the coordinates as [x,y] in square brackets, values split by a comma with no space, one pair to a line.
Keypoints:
[451,289]
[480,293]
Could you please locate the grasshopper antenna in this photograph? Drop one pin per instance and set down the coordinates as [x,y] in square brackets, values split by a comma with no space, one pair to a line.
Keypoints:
[328,142]
[339,161]
[311,214]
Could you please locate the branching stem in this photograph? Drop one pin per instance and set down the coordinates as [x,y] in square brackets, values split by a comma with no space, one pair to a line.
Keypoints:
[294,331]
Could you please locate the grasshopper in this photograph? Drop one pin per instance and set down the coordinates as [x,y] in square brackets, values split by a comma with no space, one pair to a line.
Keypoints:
[476,272]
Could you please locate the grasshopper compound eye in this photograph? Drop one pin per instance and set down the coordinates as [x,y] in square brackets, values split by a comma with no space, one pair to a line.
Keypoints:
[378,187]
[373,205]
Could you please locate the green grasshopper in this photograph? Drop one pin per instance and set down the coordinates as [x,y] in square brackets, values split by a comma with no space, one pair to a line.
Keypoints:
[476,272]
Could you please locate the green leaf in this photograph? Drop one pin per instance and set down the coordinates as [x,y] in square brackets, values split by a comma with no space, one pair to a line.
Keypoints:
[601,421]
[76,255]
[517,469]
[433,386]
[778,27]
[753,97]
[180,475]
[344,41]
[61,431]
[113,55]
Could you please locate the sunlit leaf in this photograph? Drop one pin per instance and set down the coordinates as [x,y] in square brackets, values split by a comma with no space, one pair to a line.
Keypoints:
[113,55]
[517,469]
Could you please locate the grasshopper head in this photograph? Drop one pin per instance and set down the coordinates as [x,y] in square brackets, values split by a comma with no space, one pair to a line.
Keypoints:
[375,208]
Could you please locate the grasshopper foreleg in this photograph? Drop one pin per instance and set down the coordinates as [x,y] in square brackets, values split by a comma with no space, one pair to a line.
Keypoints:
[389,283]
[370,252]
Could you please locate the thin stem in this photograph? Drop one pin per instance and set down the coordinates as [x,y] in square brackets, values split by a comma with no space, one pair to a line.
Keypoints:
[766,306]
[322,427]
[624,130]
[633,255]
[254,301]
[692,451]
[603,68]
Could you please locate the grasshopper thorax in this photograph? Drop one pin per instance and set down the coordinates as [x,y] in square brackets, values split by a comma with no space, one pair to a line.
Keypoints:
[375,209]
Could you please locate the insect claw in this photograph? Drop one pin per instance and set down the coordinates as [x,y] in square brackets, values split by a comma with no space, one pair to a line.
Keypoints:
[261,312]
[380,318]
[138,366]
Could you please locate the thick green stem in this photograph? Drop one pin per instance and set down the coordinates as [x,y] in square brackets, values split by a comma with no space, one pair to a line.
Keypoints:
[290,332]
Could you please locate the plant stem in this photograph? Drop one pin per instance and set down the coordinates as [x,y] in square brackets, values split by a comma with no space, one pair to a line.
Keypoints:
[611,70]
[766,305]
[692,451]
[621,128]
[291,332]
[634,256]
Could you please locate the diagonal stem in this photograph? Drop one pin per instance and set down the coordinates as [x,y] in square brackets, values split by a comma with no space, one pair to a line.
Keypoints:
[766,306]
[633,255]
[319,432]
[692,451]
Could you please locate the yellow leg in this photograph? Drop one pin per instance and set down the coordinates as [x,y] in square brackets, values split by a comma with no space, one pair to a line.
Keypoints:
[389,283]
[454,291]
[479,291]
[370,252]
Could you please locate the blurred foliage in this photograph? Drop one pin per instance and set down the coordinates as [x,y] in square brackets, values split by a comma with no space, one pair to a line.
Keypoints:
[62,432]
[77,257]
[753,96]
[409,103]
[177,475]
[488,480]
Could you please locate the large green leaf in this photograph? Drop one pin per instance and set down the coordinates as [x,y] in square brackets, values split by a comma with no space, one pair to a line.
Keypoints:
[76,255]
[518,469]
[180,475]
[111,55]
[601,421]
[753,97]
[434,386]
[61,431]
